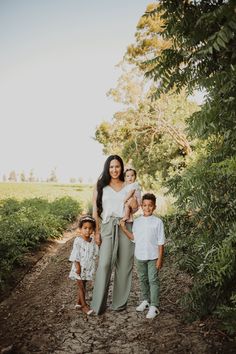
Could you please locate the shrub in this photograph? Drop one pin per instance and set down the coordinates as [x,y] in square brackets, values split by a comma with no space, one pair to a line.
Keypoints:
[23,225]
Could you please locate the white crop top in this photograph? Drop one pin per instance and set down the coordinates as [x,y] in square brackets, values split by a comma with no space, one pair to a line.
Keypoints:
[113,203]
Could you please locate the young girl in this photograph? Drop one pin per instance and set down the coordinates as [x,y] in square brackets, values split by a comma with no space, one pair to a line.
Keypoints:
[133,198]
[83,256]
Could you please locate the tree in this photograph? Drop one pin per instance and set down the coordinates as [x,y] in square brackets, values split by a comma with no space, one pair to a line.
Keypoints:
[12,176]
[22,177]
[53,176]
[149,39]
[150,135]
[202,55]
[72,180]
[31,176]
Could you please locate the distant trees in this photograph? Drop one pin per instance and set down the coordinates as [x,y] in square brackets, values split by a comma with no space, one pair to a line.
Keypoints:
[53,176]
[31,176]
[72,180]
[12,176]
[76,180]
[22,177]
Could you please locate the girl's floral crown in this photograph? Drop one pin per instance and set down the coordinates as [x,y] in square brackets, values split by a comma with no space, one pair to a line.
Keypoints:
[87,218]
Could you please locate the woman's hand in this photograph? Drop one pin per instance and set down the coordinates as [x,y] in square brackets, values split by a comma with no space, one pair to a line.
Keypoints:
[122,225]
[97,238]
[159,263]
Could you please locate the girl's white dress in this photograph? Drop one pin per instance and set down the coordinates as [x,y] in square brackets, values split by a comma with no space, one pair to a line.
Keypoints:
[84,252]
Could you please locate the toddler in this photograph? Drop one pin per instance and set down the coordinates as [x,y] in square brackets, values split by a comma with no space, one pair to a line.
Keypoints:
[133,198]
[83,258]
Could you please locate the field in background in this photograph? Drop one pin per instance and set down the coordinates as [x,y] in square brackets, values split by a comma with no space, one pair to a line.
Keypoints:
[49,191]
[80,192]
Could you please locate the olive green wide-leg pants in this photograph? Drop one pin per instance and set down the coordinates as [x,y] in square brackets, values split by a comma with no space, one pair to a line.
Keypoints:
[118,251]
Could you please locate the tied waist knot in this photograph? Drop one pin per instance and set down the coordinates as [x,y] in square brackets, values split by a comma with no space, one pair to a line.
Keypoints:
[115,221]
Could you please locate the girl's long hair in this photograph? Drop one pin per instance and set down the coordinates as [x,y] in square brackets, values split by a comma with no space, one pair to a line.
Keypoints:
[105,179]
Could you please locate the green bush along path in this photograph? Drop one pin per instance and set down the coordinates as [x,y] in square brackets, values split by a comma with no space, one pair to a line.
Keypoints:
[25,225]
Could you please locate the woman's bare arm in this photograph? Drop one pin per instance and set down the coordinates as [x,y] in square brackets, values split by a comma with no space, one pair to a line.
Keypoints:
[129,234]
[96,217]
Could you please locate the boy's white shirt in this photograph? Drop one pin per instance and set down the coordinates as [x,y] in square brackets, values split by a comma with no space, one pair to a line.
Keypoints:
[148,234]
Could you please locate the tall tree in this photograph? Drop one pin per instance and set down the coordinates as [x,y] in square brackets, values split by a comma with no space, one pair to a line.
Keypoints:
[31,176]
[22,177]
[203,55]
[149,41]
[12,176]
[152,137]
[53,176]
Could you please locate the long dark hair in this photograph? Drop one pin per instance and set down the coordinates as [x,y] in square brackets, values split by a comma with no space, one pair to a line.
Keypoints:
[105,179]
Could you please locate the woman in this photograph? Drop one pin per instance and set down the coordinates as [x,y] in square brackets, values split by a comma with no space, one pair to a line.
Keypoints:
[116,249]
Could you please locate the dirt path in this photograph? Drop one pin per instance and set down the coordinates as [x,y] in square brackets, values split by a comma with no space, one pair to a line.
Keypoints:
[39,316]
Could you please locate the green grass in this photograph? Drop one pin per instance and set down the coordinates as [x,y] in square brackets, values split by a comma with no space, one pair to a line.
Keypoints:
[49,191]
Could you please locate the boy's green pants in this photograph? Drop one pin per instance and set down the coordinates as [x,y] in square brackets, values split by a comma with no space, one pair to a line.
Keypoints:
[149,281]
[118,251]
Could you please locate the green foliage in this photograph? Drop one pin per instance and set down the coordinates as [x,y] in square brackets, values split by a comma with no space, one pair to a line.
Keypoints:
[198,250]
[203,35]
[202,55]
[23,225]
[150,137]
[65,208]
[227,313]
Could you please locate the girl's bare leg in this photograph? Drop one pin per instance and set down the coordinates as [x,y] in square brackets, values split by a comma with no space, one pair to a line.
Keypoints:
[81,293]
[81,296]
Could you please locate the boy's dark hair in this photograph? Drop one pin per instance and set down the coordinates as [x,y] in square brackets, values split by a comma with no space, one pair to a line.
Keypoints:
[87,218]
[149,196]
[130,169]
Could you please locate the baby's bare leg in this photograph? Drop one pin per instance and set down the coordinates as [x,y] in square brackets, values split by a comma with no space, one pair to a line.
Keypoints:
[127,211]
[133,203]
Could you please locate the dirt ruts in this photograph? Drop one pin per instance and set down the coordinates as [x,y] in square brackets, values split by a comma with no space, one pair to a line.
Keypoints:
[39,316]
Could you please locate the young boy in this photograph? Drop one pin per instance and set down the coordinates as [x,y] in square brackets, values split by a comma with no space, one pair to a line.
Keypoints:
[149,238]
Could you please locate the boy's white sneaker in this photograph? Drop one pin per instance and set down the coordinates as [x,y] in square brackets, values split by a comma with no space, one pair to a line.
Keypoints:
[143,306]
[152,312]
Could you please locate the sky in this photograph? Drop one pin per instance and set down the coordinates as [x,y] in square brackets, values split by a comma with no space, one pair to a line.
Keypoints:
[57,62]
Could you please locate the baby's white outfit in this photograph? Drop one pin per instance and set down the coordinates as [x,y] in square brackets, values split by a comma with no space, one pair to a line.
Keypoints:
[84,252]
[134,186]
[137,189]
